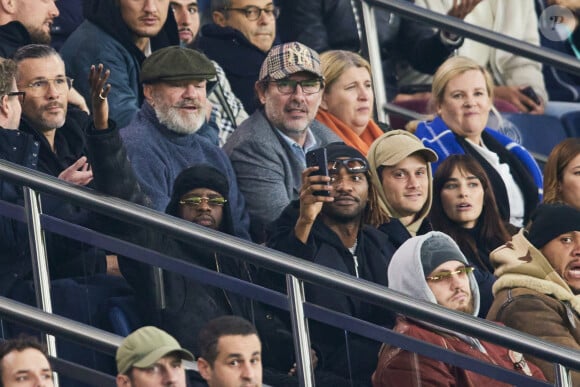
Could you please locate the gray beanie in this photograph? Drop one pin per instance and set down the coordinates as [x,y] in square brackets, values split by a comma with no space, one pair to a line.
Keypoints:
[437,250]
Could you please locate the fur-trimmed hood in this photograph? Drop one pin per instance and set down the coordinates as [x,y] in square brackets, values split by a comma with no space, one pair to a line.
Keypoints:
[519,264]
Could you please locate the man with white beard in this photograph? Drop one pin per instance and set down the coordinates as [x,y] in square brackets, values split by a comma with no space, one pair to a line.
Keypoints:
[164,136]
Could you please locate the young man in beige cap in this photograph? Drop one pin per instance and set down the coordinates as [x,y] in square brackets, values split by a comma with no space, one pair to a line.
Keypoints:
[268,150]
[151,357]
[401,173]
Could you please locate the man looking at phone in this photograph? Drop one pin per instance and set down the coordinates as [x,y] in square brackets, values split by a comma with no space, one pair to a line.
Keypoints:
[331,231]
[268,150]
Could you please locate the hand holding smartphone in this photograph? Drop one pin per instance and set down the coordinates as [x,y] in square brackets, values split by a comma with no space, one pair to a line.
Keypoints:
[317,158]
[530,93]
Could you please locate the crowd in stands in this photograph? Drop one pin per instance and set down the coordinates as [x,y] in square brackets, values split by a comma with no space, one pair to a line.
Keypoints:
[215,125]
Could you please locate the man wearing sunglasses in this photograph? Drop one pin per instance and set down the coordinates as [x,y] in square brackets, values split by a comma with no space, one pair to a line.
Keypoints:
[431,268]
[268,150]
[331,230]
[242,33]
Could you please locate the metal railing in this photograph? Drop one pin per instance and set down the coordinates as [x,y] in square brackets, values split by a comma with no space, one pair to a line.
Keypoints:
[298,271]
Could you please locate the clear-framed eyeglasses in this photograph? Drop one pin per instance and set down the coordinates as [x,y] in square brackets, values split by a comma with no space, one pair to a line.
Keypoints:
[40,87]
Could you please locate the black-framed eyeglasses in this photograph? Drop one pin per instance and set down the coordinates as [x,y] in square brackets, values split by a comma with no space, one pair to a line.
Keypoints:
[352,165]
[253,13]
[19,94]
[446,275]
[194,201]
[308,86]
[40,87]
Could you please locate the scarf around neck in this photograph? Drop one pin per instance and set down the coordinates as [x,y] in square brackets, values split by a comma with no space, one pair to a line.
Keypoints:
[362,142]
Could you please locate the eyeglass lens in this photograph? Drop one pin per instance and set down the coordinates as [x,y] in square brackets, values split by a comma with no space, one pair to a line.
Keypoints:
[446,275]
[309,86]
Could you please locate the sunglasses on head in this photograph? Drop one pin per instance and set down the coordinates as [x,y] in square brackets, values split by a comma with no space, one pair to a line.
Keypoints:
[352,165]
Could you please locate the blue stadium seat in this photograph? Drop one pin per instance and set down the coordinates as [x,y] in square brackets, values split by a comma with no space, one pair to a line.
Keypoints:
[124,315]
[571,123]
[537,133]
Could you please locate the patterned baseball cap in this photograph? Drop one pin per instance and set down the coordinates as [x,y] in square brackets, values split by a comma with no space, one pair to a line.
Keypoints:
[290,58]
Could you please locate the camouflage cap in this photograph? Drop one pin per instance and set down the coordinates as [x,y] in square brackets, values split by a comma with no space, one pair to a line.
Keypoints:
[290,58]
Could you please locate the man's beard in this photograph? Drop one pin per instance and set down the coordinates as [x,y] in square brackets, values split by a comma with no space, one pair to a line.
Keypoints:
[340,215]
[469,308]
[171,117]
[39,36]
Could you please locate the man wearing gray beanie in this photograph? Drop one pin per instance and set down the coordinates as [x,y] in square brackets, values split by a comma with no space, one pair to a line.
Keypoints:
[538,286]
[432,268]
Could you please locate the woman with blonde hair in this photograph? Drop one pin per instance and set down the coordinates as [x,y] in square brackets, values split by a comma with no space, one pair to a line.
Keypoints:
[347,102]
[562,174]
[462,91]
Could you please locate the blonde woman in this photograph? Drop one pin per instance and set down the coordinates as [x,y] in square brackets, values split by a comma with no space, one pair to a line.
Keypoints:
[347,102]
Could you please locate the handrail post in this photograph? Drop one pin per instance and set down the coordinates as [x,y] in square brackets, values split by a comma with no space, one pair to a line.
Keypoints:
[374,52]
[296,299]
[562,376]
[39,257]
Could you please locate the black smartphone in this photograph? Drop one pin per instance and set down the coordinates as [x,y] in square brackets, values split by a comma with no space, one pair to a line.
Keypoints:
[530,93]
[317,158]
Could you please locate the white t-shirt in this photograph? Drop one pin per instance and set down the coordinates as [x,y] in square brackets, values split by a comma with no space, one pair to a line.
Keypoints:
[515,195]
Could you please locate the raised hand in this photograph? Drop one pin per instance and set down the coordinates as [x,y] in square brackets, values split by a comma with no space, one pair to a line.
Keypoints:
[99,91]
[310,204]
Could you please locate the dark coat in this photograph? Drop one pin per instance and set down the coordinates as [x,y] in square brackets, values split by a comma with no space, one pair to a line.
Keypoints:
[67,257]
[398,233]
[190,304]
[324,247]
[240,60]
[12,36]
[104,37]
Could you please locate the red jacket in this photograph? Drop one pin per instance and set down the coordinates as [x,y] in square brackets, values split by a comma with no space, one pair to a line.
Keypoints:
[407,369]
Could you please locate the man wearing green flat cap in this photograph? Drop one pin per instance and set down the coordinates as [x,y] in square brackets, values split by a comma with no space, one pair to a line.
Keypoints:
[169,133]
[151,357]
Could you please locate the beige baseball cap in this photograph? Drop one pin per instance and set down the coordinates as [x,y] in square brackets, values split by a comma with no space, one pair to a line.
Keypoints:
[395,145]
[145,346]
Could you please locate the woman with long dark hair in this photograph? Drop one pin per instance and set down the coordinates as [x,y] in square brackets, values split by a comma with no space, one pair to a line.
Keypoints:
[464,208]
